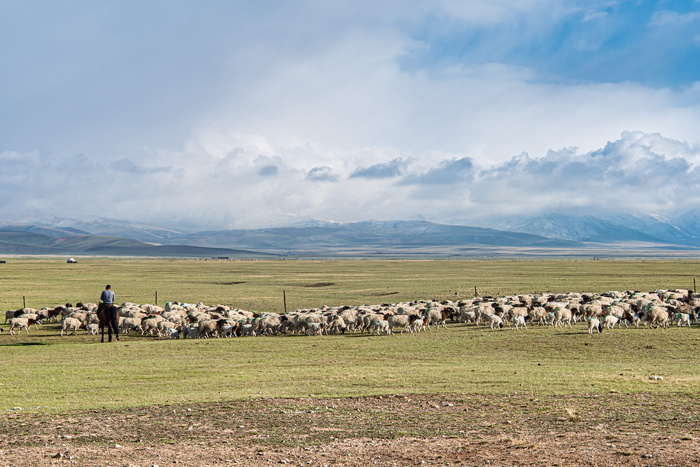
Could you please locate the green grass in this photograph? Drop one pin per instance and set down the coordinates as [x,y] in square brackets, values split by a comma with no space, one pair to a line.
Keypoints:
[462,359]
[79,372]
[261,285]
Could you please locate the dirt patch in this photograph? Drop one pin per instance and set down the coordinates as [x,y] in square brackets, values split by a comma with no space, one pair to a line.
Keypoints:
[320,284]
[446,429]
[230,283]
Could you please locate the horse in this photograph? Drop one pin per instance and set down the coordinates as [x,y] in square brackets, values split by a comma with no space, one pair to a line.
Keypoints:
[105,312]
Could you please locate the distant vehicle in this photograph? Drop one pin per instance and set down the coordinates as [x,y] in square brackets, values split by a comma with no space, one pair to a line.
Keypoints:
[72,260]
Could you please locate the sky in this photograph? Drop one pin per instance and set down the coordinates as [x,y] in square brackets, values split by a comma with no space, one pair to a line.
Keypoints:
[239,114]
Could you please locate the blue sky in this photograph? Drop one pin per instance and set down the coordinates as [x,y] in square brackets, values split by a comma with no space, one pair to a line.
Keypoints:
[245,114]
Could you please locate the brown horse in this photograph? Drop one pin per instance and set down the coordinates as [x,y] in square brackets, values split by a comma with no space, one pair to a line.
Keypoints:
[109,318]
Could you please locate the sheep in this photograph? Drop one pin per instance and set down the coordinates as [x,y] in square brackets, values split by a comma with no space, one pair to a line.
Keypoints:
[163,326]
[610,321]
[467,315]
[92,328]
[381,325]
[495,321]
[9,314]
[151,324]
[172,333]
[314,328]
[594,323]
[21,323]
[247,329]
[191,332]
[207,328]
[401,321]
[337,324]
[418,323]
[71,324]
[538,313]
[656,316]
[517,322]
[228,331]
[683,319]
[126,324]
[562,316]
[269,324]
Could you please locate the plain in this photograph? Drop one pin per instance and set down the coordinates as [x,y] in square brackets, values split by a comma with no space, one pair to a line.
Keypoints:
[45,372]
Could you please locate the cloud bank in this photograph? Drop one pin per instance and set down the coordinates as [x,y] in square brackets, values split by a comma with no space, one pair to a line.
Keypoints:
[638,172]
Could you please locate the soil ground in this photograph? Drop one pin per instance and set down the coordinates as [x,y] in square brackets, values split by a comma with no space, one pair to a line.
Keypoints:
[444,429]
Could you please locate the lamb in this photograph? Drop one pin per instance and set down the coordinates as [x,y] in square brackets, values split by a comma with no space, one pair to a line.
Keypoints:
[229,331]
[192,331]
[495,321]
[92,328]
[314,328]
[418,324]
[683,319]
[381,325]
[594,323]
[610,321]
[163,326]
[71,324]
[518,321]
[172,333]
[247,330]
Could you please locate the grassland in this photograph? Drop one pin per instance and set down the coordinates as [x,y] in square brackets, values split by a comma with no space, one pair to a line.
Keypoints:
[261,285]
[43,371]
[464,395]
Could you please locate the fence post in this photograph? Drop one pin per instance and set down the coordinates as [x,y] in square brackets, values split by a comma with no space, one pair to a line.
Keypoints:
[156,303]
[694,289]
[24,301]
[284,297]
[475,294]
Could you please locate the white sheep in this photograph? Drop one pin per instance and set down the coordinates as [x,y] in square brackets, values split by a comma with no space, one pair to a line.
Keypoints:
[381,325]
[517,322]
[610,321]
[594,323]
[314,328]
[92,328]
[683,319]
[495,320]
[172,333]
[71,324]
[399,321]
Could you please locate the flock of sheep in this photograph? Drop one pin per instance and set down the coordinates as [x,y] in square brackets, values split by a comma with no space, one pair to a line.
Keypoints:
[656,309]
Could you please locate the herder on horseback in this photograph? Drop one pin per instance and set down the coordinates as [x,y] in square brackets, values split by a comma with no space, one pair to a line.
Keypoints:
[108,313]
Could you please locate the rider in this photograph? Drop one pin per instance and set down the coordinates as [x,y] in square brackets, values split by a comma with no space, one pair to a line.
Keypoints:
[107,300]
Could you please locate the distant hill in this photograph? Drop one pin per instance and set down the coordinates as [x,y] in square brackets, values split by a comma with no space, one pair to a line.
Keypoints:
[27,242]
[553,234]
[676,230]
[392,236]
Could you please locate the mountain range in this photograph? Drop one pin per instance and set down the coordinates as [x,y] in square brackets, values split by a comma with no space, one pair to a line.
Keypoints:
[551,234]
